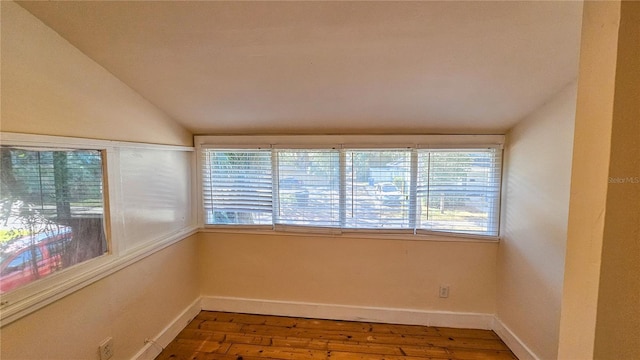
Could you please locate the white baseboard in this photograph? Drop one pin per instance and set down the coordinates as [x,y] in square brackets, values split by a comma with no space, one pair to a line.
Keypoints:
[153,348]
[514,343]
[347,312]
[335,312]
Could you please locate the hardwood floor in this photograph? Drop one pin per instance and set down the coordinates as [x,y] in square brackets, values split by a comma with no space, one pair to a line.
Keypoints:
[230,336]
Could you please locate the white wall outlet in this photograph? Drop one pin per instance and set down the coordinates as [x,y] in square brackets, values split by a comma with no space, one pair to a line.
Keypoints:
[444,291]
[106,348]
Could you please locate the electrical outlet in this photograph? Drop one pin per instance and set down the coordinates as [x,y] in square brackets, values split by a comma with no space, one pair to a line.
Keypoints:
[106,348]
[444,291]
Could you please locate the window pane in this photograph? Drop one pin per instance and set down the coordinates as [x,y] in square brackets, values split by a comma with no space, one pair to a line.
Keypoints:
[308,187]
[237,187]
[377,188]
[51,212]
[458,191]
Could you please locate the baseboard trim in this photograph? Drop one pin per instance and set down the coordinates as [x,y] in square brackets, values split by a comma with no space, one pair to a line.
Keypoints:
[153,348]
[335,312]
[514,343]
[348,312]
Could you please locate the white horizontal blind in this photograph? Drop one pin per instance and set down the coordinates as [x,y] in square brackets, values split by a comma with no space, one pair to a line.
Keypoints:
[459,190]
[156,194]
[56,183]
[308,187]
[237,186]
[377,189]
[418,190]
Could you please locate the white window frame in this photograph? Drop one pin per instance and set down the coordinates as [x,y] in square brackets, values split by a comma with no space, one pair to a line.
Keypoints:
[28,298]
[346,142]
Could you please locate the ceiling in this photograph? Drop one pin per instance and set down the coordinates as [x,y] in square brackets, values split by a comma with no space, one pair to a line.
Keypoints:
[331,67]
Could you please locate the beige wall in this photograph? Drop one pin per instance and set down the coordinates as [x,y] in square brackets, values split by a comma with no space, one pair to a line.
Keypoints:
[590,172]
[349,271]
[618,318]
[130,305]
[600,316]
[537,178]
[50,87]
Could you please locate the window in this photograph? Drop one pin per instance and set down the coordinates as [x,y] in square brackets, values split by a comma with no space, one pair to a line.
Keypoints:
[377,189]
[405,189]
[51,212]
[459,191]
[66,222]
[237,187]
[308,188]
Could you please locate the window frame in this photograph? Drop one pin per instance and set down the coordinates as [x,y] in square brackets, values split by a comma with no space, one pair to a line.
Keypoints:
[350,142]
[28,298]
[35,286]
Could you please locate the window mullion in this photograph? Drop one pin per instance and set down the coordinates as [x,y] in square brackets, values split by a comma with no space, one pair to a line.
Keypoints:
[496,167]
[343,188]
[275,195]
[413,189]
[428,184]
[206,183]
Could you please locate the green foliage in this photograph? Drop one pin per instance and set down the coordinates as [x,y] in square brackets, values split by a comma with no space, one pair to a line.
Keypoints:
[37,188]
[48,177]
[8,235]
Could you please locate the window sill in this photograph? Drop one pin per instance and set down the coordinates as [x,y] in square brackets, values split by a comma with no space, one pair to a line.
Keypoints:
[355,234]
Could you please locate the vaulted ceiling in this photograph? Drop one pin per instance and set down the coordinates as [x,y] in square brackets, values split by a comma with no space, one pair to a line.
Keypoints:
[331,67]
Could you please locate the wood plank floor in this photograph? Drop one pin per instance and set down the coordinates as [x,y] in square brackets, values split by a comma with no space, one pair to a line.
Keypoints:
[231,336]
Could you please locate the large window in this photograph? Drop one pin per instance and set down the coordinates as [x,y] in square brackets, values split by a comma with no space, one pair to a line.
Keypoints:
[73,211]
[410,189]
[51,212]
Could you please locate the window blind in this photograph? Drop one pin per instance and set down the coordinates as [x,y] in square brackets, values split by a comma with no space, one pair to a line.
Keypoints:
[409,189]
[58,184]
[308,187]
[459,190]
[377,189]
[237,186]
